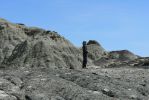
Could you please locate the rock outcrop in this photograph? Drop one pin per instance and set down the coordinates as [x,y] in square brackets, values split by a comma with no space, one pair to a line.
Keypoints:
[95,50]
[23,46]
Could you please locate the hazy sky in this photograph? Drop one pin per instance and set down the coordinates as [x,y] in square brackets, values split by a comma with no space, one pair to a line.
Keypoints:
[116,24]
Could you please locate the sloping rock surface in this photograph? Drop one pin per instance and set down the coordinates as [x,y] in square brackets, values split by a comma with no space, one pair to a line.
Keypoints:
[34,47]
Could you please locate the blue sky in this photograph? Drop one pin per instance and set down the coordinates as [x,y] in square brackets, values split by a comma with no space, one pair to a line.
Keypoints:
[116,24]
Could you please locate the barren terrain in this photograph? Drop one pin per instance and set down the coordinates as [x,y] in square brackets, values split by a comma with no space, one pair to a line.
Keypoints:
[38,64]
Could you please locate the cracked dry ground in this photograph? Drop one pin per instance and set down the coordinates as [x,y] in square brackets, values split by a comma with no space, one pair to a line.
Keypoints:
[86,84]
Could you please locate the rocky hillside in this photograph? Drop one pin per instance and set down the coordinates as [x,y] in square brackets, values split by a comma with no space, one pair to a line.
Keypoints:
[23,46]
[38,64]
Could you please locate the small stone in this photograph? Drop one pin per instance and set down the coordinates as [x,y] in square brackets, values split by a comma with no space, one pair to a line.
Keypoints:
[57,98]
[133,96]
[108,92]
[68,73]
[96,92]
[29,87]
[43,79]
[57,75]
